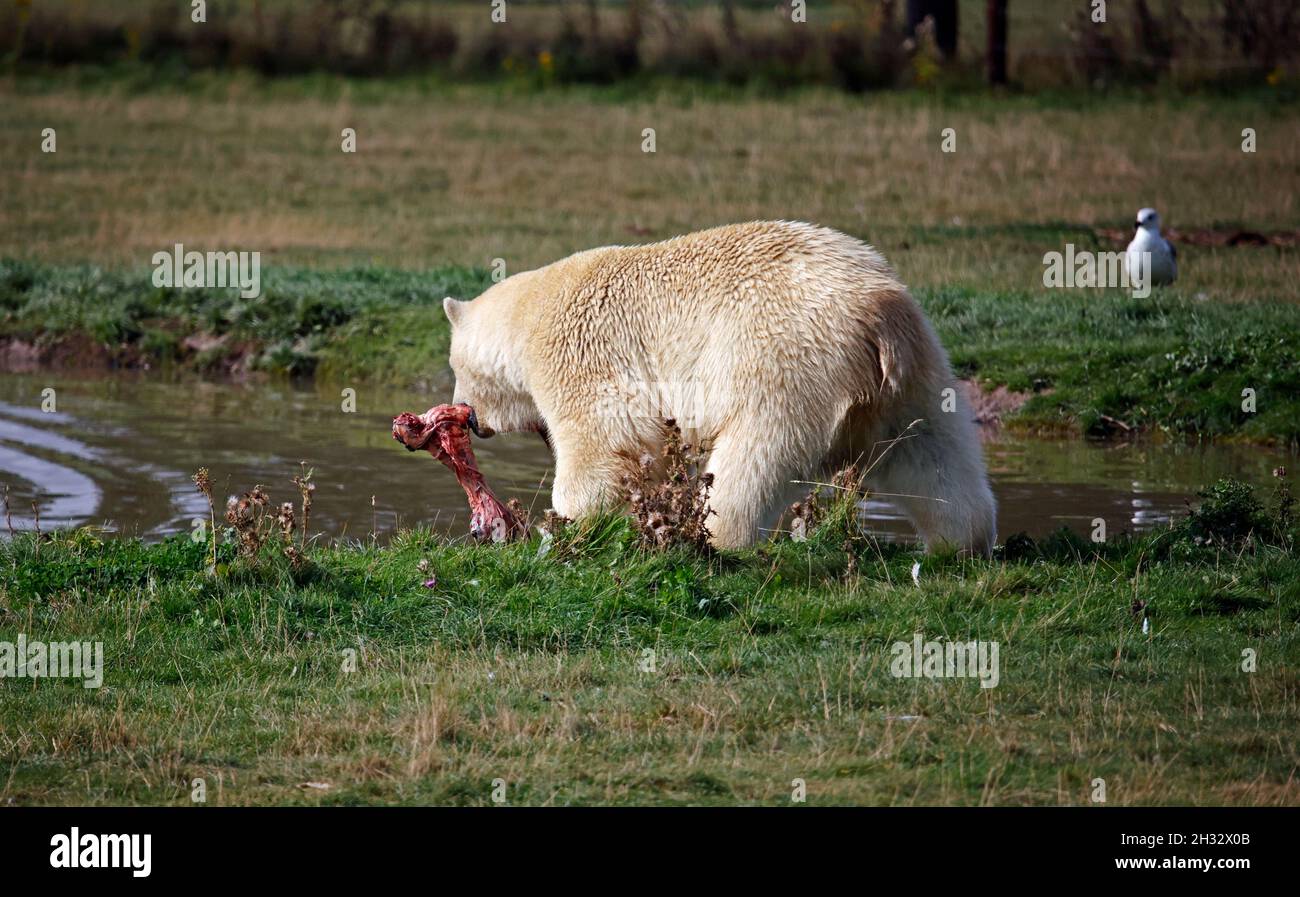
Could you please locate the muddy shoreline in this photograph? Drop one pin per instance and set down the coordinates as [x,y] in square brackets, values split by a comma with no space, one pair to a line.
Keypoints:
[200,353]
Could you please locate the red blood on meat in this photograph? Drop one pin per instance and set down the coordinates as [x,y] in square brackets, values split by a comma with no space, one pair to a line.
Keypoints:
[443,431]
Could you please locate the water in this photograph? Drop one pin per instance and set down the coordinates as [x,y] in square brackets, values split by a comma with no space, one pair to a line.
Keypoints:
[119,450]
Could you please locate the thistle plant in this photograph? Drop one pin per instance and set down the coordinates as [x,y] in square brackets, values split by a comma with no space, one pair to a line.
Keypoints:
[669,496]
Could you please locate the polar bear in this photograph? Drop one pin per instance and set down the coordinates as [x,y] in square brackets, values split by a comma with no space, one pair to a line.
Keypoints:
[787,349]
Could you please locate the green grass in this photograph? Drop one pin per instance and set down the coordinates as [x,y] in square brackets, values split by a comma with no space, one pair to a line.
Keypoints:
[1163,363]
[769,665]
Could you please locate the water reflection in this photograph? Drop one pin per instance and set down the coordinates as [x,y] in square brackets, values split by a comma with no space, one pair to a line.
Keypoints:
[121,448]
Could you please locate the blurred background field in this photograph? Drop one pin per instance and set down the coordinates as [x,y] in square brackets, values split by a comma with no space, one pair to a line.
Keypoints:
[227,134]
[853,44]
[523,140]
[464,175]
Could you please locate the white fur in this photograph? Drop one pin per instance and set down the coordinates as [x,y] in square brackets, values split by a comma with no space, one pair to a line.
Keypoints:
[786,348]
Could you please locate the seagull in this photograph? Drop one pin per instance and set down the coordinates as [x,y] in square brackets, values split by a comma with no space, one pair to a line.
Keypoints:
[1164,257]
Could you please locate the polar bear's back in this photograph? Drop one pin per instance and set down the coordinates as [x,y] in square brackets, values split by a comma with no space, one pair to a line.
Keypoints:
[770,311]
[724,268]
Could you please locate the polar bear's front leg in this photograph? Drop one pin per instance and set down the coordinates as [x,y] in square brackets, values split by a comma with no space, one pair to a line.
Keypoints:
[586,475]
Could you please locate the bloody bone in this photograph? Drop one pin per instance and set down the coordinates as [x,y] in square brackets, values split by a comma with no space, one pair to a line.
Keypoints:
[443,431]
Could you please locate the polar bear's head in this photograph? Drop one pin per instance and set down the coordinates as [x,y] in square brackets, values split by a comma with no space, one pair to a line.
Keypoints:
[488,364]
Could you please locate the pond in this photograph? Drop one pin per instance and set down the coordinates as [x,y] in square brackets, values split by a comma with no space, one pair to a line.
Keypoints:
[118,451]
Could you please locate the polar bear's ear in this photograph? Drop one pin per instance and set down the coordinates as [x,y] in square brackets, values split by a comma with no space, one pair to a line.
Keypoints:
[455,310]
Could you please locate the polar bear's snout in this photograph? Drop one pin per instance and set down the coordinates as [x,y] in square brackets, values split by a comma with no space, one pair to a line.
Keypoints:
[474,427]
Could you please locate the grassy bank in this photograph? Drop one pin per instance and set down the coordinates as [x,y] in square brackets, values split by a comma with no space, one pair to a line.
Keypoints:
[1085,358]
[479,663]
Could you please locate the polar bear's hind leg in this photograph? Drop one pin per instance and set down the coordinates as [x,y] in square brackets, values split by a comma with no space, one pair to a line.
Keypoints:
[752,471]
[936,477]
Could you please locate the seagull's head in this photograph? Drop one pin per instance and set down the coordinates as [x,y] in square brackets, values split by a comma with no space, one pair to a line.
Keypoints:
[1148,219]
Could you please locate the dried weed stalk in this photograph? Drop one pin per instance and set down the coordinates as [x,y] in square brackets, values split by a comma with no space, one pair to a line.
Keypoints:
[256,521]
[9,520]
[203,481]
[251,522]
[671,507]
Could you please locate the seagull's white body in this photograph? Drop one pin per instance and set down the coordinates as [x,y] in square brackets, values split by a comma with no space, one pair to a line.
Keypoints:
[1164,258]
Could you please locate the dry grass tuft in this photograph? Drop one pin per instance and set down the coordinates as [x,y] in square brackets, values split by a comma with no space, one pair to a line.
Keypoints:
[831,511]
